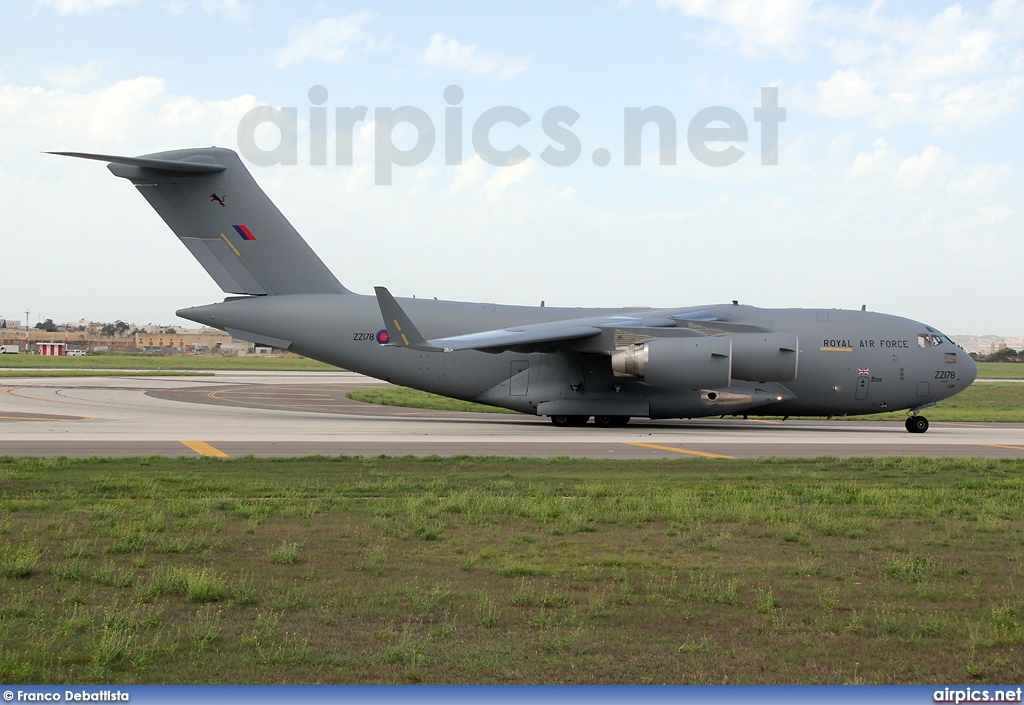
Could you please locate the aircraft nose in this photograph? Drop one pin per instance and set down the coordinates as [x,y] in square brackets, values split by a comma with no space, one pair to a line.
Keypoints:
[968,369]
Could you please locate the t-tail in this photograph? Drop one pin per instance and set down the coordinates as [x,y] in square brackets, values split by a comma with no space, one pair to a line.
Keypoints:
[218,211]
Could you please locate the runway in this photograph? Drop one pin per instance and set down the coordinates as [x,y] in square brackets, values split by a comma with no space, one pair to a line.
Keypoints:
[233,414]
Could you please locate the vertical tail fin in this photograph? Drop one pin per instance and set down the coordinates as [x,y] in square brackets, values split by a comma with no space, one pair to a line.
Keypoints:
[212,203]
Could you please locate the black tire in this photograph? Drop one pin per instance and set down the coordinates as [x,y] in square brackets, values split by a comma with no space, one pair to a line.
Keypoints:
[611,421]
[564,420]
[917,424]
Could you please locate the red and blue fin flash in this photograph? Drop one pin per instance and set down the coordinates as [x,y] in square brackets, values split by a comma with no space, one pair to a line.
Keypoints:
[244,232]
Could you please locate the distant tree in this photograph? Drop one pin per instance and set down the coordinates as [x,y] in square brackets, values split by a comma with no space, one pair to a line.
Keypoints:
[108,329]
[121,327]
[171,331]
[1004,355]
[48,325]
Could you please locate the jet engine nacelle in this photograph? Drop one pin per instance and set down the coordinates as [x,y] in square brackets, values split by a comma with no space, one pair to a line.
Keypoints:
[764,357]
[678,363]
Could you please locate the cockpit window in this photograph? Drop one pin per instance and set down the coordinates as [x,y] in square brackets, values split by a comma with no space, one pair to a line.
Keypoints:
[931,340]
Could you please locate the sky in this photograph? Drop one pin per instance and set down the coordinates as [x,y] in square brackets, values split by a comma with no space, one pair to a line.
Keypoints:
[898,183]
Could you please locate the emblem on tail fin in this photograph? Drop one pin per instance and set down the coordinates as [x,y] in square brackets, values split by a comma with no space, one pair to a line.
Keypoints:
[244,232]
[218,199]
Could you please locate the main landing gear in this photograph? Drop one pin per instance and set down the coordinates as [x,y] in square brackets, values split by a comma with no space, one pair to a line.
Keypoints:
[602,421]
[917,424]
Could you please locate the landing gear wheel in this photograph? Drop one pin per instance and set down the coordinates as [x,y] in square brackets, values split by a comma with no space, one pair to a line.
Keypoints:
[611,421]
[917,424]
[563,420]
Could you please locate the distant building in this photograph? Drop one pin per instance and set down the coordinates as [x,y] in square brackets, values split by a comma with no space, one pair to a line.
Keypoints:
[183,341]
[51,348]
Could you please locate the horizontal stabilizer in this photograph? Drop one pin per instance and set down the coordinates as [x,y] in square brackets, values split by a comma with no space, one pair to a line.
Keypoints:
[190,165]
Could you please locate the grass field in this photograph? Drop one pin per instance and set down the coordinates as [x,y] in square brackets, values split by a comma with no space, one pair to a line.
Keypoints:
[983,401]
[469,570]
[102,373]
[161,362]
[1000,370]
[415,399]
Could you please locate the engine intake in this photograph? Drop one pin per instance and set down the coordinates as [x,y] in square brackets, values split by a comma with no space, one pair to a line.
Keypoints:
[764,357]
[678,363]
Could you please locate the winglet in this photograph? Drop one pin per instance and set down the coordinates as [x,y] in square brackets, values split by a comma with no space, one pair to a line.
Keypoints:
[401,331]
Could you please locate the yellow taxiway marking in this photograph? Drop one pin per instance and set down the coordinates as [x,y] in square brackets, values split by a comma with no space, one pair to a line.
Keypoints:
[996,445]
[682,450]
[205,449]
[233,248]
[775,423]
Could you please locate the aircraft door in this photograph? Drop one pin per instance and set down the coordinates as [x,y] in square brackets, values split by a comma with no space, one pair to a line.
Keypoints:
[862,387]
[519,378]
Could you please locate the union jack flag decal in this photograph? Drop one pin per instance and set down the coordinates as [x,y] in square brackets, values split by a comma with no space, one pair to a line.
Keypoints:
[863,371]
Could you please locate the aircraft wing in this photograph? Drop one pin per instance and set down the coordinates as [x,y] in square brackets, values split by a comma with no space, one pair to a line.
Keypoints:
[403,333]
[508,338]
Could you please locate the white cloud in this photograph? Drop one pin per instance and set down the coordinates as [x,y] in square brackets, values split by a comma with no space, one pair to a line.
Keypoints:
[846,93]
[132,116]
[981,181]
[70,76]
[232,9]
[452,55]
[758,26]
[990,215]
[953,69]
[66,7]
[930,165]
[329,39]
[872,163]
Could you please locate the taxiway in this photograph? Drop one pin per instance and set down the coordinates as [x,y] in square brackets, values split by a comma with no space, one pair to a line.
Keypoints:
[296,413]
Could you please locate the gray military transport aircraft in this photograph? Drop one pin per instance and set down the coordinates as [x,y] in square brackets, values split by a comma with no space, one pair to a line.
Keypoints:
[569,364]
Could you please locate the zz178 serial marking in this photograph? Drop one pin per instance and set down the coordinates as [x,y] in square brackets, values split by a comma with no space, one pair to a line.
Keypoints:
[945,374]
[364,336]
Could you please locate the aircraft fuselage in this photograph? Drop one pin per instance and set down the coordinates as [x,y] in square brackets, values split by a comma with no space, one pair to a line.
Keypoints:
[850,362]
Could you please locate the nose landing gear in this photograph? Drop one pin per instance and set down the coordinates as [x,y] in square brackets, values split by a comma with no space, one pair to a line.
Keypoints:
[917,424]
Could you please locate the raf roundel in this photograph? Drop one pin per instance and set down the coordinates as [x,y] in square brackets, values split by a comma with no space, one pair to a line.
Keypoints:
[382,337]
